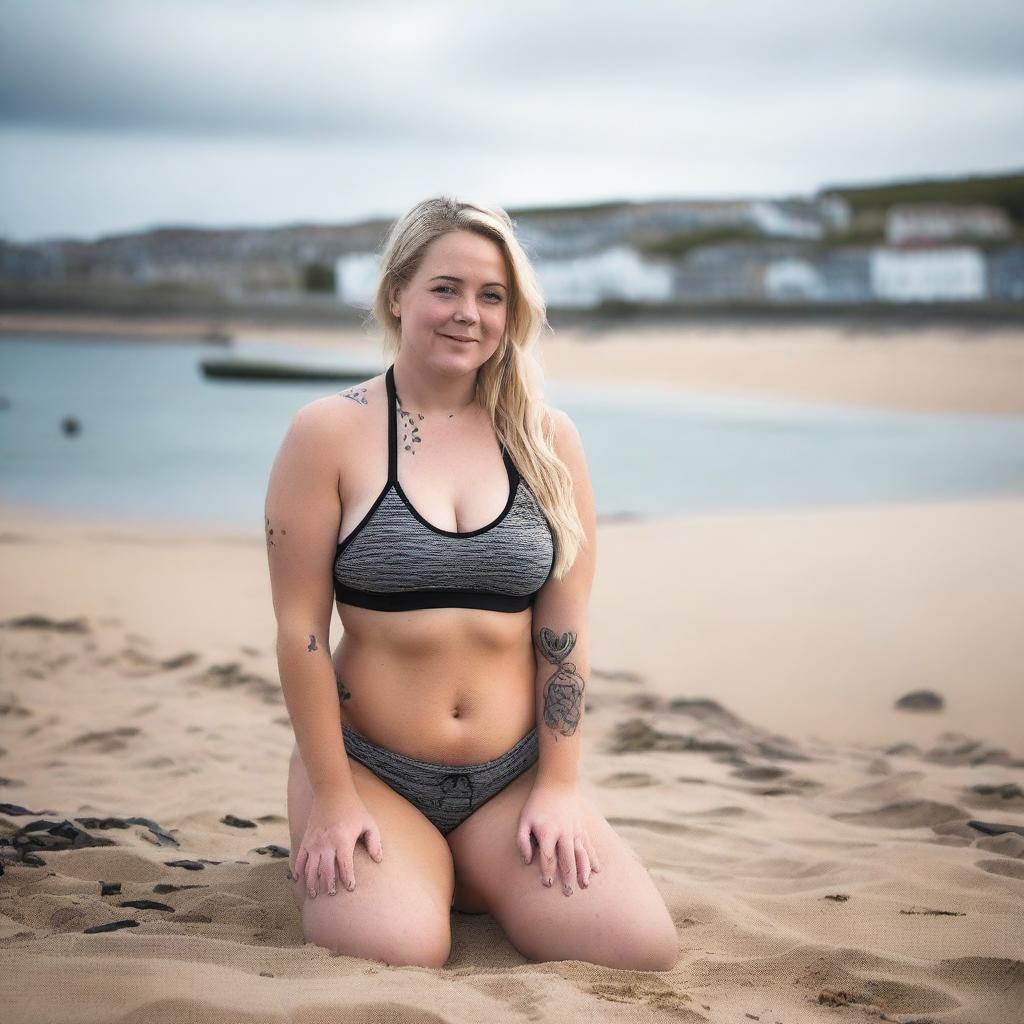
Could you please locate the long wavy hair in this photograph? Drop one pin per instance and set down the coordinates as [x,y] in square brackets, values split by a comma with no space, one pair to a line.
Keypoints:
[510,384]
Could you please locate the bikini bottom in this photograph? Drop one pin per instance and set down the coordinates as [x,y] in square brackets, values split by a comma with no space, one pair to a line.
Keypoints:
[447,794]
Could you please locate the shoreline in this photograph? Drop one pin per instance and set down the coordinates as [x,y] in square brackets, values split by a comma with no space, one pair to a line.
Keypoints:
[955,368]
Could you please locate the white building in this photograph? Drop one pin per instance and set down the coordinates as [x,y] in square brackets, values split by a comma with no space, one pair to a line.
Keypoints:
[787,220]
[617,273]
[936,222]
[355,278]
[793,280]
[947,274]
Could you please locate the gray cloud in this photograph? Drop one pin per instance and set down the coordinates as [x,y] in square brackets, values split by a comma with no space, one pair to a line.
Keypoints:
[443,69]
[120,113]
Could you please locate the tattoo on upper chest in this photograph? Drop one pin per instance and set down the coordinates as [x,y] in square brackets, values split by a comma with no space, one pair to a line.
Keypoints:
[409,428]
[563,692]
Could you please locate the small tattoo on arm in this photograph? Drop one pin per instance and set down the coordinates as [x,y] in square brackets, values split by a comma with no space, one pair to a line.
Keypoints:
[312,643]
[563,692]
[270,532]
[356,394]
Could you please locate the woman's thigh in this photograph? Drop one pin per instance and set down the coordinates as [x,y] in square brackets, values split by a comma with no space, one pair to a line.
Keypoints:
[619,920]
[399,911]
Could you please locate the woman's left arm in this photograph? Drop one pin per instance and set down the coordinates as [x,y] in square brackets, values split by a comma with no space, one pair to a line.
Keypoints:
[553,812]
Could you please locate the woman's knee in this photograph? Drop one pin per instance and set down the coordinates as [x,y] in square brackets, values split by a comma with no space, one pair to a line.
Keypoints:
[413,937]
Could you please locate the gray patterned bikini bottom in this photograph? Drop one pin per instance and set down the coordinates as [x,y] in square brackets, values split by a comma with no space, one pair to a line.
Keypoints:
[446,794]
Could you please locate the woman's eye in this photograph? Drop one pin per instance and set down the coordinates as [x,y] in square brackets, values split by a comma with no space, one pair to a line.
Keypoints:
[448,288]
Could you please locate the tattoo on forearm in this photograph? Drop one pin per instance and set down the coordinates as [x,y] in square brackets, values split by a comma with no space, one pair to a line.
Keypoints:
[312,643]
[356,394]
[563,692]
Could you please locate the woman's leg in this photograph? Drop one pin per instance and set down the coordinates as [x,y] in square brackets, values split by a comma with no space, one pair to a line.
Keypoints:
[399,912]
[620,920]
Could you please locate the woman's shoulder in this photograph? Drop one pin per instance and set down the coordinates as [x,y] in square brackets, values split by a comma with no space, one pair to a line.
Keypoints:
[340,415]
[565,437]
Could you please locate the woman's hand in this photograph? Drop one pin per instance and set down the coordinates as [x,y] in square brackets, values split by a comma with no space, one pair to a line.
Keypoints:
[336,823]
[553,813]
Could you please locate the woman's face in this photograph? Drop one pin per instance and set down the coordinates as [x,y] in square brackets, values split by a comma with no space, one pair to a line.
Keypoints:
[459,292]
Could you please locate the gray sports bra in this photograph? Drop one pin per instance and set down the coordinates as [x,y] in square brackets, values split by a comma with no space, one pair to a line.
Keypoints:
[394,560]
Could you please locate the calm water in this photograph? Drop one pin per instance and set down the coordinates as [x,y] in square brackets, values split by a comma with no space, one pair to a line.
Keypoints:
[159,441]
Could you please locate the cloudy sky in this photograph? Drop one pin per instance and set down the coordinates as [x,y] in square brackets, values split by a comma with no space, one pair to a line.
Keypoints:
[117,115]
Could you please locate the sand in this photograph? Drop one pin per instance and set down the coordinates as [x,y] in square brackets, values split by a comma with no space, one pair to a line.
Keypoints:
[812,841]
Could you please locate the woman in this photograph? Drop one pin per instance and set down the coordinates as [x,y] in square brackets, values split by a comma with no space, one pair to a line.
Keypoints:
[450,515]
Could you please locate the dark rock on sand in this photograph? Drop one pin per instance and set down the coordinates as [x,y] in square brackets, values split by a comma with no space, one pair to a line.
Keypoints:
[112,926]
[79,625]
[759,773]
[188,865]
[230,819]
[17,811]
[994,829]
[957,749]
[109,888]
[635,735]
[162,887]
[179,660]
[273,850]
[54,835]
[920,700]
[146,905]
[161,836]
[1006,791]
[231,674]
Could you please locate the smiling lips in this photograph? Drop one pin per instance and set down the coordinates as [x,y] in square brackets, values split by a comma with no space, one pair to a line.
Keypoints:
[456,337]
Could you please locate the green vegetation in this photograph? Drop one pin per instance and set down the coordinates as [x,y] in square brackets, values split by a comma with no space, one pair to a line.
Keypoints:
[1004,190]
[318,277]
[680,244]
[584,210]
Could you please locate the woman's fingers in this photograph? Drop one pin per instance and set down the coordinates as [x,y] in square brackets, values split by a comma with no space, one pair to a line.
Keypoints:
[567,863]
[548,861]
[312,878]
[582,863]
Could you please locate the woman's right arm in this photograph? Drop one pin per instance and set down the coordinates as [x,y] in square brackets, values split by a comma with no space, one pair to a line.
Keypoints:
[302,517]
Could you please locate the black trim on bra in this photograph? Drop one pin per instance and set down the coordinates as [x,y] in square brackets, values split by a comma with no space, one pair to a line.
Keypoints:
[409,600]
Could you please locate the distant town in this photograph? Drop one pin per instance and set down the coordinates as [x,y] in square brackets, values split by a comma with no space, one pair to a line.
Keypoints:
[956,241]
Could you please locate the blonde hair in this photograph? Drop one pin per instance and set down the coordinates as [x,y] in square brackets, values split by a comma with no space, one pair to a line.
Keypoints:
[509,384]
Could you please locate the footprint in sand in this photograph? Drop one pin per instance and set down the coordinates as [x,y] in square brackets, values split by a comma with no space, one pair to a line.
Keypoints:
[106,742]
[905,814]
[628,780]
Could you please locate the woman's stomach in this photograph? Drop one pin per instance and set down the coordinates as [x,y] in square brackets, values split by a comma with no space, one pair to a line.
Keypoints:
[450,685]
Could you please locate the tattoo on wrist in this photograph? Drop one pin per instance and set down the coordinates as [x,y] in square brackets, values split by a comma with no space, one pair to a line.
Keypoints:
[563,692]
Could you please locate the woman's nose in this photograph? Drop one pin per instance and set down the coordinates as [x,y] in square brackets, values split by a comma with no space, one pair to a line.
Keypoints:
[467,312]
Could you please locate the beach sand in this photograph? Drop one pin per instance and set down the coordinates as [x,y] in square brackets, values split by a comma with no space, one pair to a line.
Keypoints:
[812,841]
